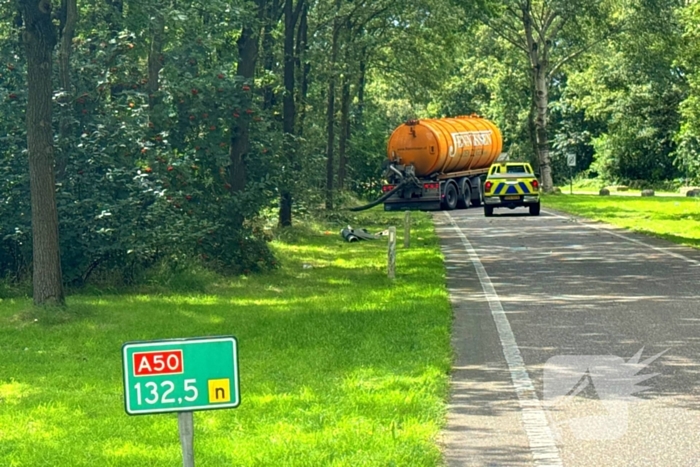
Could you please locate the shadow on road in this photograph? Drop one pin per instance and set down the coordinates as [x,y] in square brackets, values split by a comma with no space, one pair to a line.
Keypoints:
[567,290]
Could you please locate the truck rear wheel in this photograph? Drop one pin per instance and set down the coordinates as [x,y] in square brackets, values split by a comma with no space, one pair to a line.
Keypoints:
[535,209]
[464,196]
[476,202]
[451,197]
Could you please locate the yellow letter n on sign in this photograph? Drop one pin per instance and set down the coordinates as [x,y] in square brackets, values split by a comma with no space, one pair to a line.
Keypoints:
[219,390]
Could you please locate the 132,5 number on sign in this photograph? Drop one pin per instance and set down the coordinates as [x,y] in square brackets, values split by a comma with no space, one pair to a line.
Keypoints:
[180,375]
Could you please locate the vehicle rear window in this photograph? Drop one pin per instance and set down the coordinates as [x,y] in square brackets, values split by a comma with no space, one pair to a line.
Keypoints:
[516,169]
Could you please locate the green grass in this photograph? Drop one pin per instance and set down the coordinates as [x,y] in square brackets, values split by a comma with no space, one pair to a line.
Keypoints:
[674,219]
[339,366]
[584,185]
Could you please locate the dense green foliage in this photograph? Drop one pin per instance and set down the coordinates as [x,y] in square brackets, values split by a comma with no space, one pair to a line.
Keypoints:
[625,101]
[339,365]
[144,136]
[632,89]
[140,184]
[170,141]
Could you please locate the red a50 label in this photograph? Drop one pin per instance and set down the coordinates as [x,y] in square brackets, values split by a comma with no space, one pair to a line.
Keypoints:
[164,362]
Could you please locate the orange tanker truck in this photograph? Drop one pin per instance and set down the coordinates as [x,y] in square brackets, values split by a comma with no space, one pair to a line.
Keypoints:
[439,163]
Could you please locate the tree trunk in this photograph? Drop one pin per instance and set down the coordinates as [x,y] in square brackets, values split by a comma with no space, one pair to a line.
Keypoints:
[68,24]
[40,39]
[330,116]
[69,20]
[288,112]
[155,59]
[532,133]
[361,89]
[240,128]
[268,46]
[541,104]
[344,131]
[304,68]
[539,61]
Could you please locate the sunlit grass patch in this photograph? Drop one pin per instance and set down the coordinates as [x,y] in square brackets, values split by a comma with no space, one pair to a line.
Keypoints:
[339,365]
[675,219]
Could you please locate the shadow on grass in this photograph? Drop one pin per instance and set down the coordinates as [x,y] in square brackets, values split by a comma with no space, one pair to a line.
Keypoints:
[315,368]
[668,219]
[689,241]
[336,362]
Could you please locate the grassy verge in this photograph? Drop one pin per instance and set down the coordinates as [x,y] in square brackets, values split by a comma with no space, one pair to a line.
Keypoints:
[674,219]
[593,185]
[339,365]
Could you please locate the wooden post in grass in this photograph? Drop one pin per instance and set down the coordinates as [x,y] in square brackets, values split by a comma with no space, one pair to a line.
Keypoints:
[407,230]
[392,253]
[185,422]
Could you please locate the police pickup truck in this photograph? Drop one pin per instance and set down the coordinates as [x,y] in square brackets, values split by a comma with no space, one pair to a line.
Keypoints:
[510,185]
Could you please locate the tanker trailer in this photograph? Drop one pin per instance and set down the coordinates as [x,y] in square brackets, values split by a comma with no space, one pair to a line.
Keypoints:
[439,163]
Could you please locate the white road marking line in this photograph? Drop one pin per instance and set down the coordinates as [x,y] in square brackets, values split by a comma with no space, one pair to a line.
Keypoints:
[629,239]
[542,445]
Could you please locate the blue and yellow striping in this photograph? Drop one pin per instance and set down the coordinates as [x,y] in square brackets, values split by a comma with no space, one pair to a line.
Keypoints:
[502,187]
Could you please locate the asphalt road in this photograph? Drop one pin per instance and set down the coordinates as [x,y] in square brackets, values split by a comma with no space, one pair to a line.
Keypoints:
[552,305]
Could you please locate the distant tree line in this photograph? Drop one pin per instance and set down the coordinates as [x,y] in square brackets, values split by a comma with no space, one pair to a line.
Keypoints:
[150,132]
[613,82]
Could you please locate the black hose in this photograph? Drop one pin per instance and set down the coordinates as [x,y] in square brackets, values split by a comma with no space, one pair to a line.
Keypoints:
[382,198]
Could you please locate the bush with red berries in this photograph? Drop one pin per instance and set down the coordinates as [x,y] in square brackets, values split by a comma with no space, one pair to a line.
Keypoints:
[146,178]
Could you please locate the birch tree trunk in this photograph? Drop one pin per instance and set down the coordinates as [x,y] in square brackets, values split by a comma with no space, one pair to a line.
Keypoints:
[541,100]
[538,53]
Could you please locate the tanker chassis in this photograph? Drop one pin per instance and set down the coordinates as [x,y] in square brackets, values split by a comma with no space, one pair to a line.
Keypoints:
[442,191]
[439,163]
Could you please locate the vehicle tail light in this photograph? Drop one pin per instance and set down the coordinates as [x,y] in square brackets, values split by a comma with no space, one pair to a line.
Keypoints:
[431,186]
[387,188]
[487,186]
[535,184]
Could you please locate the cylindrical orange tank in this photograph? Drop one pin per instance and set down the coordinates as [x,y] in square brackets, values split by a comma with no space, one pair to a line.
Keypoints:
[445,145]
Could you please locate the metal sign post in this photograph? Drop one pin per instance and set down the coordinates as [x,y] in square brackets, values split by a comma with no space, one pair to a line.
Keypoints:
[571,181]
[571,162]
[185,424]
[181,375]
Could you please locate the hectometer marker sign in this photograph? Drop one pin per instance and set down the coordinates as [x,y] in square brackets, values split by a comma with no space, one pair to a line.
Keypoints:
[180,375]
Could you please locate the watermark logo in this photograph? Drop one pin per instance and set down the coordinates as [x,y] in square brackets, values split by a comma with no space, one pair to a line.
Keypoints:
[609,379]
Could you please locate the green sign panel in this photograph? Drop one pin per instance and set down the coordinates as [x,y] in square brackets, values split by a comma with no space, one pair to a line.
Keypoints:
[180,375]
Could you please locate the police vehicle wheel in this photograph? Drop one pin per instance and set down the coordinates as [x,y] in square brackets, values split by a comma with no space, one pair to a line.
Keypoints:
[535,209]
[488,211]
